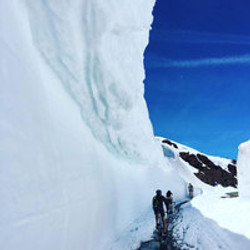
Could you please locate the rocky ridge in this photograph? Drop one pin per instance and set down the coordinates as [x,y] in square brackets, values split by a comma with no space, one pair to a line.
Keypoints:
[209,169]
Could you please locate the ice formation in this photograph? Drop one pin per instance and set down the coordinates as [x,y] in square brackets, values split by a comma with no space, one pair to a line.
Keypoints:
[243,168]
[78,161]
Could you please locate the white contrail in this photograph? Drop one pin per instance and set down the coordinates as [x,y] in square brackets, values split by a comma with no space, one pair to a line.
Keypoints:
[213,61]
[186,36]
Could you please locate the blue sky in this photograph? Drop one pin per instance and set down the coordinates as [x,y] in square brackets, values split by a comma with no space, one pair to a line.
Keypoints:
[198,73]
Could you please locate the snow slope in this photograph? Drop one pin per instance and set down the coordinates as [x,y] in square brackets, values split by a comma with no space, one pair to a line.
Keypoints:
[77,155]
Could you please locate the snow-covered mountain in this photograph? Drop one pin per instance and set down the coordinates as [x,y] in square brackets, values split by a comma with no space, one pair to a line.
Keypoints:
[209,169]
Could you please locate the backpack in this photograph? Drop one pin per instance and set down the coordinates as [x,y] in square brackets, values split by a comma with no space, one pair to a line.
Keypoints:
[155,201]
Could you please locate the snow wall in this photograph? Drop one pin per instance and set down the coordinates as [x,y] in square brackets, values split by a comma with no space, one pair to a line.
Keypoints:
[243,169]
[77,158]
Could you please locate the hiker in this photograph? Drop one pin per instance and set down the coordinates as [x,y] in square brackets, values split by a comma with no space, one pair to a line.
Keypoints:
[190,191]
[169,197]
[158,208]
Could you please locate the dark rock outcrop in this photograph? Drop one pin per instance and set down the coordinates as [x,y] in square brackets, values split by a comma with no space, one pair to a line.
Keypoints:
[234,161]
[191,159]
[232,169]
[170,143]
[204,159]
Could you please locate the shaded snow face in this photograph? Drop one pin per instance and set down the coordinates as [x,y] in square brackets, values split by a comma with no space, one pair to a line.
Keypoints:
[168,152]
[244,169]
[96,50]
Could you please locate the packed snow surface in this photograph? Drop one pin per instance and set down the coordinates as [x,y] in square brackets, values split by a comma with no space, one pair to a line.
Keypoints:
[78,161]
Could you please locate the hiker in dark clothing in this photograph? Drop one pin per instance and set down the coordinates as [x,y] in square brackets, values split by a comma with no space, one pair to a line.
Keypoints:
[169,198]
[158,208]
[190,190]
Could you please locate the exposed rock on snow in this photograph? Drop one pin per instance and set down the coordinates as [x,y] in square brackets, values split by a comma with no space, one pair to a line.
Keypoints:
[170,143]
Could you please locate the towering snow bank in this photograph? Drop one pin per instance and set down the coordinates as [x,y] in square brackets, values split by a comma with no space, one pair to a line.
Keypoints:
[243,166]
[71,112]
